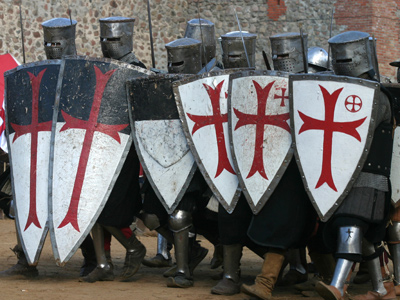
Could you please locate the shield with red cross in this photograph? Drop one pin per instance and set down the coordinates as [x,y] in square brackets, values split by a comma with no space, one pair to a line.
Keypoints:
[29,98]
[91,137]
[202,104]
[259,132]
[332,120]
[159,139]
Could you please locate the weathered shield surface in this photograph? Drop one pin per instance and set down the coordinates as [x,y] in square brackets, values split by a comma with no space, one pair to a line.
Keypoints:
[159,139]
[30,94]
[91,138]
[260,131]
[394,89]
[202,106]
[332,131]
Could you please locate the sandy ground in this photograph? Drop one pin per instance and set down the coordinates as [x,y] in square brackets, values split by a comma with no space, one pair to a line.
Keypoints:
[59,283]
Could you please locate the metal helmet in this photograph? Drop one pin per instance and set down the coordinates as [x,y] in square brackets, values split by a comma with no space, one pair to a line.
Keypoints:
[116,36]
[59,37]
[351,53]
[204,31]
[287,52]
[317,60]
[397,65]
[184,56]
[233,51]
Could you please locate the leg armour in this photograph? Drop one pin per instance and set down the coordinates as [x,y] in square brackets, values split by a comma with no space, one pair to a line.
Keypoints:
[180,223]
[151,221]
[349,243]
[374,268]
[180,220]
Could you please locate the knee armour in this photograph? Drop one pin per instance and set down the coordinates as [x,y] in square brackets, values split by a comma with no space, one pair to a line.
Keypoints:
[180,220]
[151,221]
[349,240]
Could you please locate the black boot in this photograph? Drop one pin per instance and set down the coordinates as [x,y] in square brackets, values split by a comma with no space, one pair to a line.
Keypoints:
[89,257]
[22,267]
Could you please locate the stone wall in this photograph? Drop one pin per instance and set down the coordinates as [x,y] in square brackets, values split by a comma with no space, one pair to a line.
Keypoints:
[169,17]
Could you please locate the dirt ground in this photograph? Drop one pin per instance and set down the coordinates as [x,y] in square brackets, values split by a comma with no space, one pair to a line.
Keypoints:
[59,283]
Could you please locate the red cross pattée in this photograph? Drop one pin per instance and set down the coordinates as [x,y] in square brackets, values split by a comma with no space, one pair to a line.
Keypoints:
[217,119]
[33,129]
[260,120]
[91,126]
[329,126]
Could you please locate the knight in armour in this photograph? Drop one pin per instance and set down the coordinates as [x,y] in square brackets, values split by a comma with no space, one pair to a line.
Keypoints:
[357,228]
[287,55]
[59,41]
[124,202]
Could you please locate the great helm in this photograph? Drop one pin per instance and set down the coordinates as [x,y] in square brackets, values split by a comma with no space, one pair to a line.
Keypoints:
[184,56]
[203,31]
[317,60]
[116,36]
[233,51]
[59,37]
[351,53]
[287,51]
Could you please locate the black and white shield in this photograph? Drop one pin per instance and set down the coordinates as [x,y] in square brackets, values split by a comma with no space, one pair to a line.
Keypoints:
[259,132]
[91,137]
[159,139]
[331,118]
[29,98]
[202,103]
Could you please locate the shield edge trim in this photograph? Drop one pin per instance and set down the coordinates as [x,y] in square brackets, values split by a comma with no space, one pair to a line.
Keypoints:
[356,173]
[176,84]
[52,140]
[46,229]
[288,157]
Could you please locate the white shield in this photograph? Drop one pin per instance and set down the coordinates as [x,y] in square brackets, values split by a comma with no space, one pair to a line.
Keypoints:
[331,117]
[159,138]
[202,105]
[30,94]
[260,132]
[91,138]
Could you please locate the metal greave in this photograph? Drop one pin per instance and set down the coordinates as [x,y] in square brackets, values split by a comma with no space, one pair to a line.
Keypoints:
[374,268]
[342,271]
[395,253]
[98,242]
[231,263]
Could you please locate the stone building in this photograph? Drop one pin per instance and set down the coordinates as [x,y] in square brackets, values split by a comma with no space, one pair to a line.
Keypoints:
[380,18]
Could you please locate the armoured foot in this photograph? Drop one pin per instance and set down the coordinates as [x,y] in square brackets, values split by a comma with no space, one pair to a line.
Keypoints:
[256,290]
[179,281]
[157,261]
[226,287]
[20,269]
[133,260]
[99,274]
[329,292]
